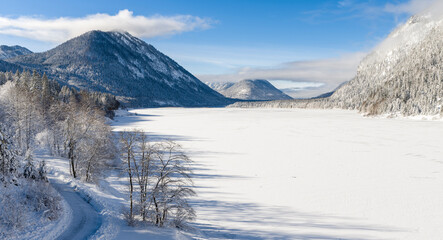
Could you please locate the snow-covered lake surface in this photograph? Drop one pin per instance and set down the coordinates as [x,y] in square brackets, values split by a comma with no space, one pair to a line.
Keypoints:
[307,174]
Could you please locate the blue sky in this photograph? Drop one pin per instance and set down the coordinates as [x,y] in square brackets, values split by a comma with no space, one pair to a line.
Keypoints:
[228,38]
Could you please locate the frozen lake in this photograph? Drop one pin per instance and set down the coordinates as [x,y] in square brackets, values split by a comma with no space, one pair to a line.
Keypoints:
[307,174]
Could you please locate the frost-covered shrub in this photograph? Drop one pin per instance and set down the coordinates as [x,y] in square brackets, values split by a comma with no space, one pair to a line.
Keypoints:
[25,193]
[26,201]
[30,170]
[182,216]
[41,197]
[11,208]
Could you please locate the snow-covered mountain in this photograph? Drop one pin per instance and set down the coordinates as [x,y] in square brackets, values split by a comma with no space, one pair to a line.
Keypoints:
[12,51]
[403,75]
[219,86]
[125,66]
[250,90]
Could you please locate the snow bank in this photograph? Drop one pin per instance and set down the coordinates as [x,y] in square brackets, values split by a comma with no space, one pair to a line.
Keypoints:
[109,198]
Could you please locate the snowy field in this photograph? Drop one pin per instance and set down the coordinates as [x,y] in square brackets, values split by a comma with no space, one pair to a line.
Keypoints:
[306,174]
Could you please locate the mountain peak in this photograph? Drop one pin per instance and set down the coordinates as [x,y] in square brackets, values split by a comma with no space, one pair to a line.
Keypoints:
[121,64]
[105,34]
[250,89]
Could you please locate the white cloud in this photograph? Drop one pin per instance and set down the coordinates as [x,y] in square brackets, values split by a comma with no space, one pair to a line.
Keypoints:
[63,28]
[410,7]
[345,3]
[329,72]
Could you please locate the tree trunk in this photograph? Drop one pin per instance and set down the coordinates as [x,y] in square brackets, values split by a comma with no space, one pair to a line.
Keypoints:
[157,216]
[88,170]
[3,160]
[131,187]
[163,217]
[142,203]
[71,158]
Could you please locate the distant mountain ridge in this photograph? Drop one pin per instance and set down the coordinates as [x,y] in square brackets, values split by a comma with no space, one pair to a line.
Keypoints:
[250,90]
[13,51]
[125,66]
[219,86]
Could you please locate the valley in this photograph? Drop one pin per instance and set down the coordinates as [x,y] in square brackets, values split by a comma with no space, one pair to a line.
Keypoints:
[221,120]
[301,174]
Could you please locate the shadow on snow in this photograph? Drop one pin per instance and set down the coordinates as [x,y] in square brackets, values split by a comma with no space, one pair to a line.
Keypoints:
[264,222]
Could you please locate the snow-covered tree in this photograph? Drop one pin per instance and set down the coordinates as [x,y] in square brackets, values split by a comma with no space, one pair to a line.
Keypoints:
[30,171]
[33,110]
[8,157]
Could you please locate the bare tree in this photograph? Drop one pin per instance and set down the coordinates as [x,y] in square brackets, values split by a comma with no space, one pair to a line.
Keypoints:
[172,186]
[128,144]
[142,169]
[160,176]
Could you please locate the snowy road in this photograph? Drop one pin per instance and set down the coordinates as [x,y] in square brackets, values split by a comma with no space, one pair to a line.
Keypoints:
[85,220]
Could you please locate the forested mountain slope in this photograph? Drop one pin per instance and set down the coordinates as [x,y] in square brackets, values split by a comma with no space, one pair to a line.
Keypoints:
[125,66]
[403,75]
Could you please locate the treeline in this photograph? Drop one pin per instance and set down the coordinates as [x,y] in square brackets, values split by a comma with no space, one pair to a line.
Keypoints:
[36,111]
[70,123]
[24,191]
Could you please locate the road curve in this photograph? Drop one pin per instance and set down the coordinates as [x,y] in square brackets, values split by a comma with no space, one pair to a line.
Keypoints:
[85,219]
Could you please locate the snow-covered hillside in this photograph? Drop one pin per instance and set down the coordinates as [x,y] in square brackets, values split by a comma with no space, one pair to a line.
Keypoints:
[402,76]
[219,86]
[306,174]
[12,51]
[125,66]
[249,90]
